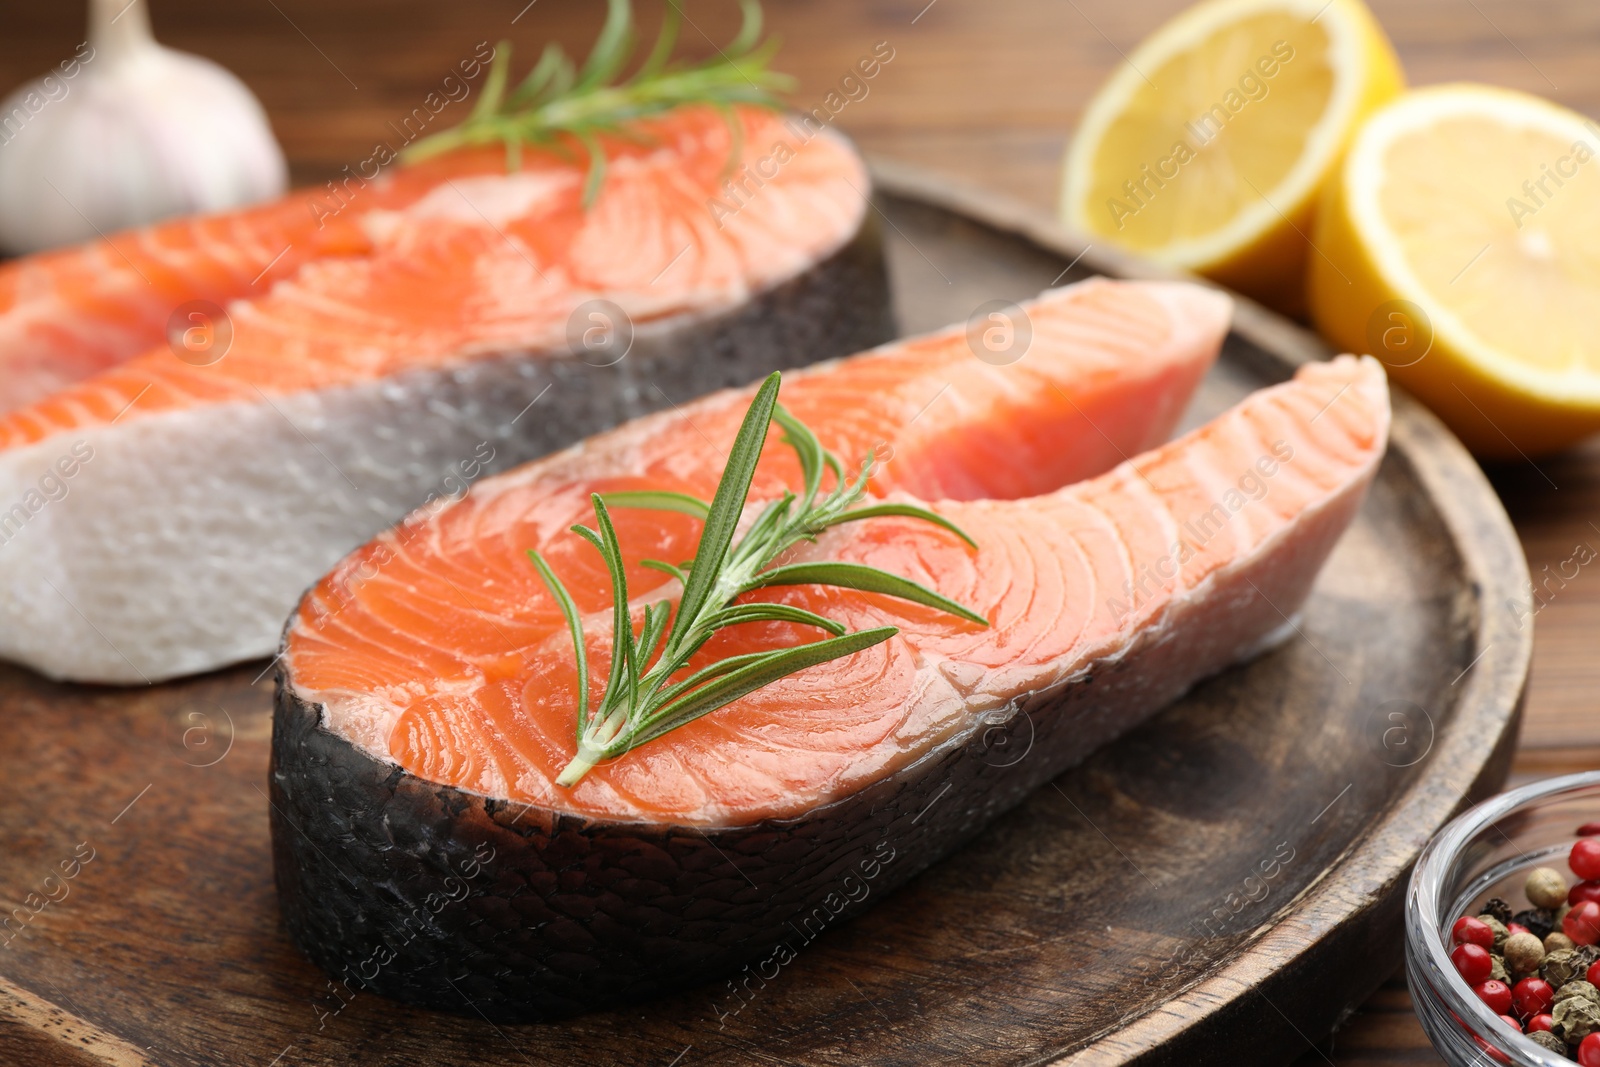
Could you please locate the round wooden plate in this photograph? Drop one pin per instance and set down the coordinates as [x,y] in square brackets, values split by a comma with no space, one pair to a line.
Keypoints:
[1218,886]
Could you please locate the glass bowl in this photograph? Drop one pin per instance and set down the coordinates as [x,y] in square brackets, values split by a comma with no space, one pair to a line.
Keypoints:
[1486,852]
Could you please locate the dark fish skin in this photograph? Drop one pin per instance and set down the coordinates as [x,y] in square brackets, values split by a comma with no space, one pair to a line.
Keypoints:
[529,916]
[464,903]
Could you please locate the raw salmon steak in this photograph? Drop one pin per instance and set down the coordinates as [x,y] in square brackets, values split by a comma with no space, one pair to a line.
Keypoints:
[199,418]
[425,702]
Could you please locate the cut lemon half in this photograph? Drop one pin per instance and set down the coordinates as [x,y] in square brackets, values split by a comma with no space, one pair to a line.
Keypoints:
[1207,149]
[1462,244]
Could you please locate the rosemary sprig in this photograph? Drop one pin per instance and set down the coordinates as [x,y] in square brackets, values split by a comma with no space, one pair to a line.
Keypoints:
[645,696]
[558,99]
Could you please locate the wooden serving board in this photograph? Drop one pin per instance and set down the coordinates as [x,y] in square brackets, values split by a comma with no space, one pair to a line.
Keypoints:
[1219,886]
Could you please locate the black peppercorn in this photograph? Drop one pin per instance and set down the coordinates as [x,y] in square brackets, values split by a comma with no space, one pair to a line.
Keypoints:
[1498,908]
[1539,921]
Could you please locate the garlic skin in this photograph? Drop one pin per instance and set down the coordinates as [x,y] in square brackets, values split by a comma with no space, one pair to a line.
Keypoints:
[127,133]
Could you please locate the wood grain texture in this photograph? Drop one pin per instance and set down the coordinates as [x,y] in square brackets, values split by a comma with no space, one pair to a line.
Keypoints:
[988,92]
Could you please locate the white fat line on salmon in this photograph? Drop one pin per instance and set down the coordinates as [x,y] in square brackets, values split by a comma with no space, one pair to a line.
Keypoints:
[811,926]
[53,888]
[1198,531]
[1194,956]
[345,584]
[53,486]
[1253,85]
[50,89]
[343,191]
[747,180]
[411,924]
[1539,593]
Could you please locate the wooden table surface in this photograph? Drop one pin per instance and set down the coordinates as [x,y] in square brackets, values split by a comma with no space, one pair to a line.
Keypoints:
[984,90]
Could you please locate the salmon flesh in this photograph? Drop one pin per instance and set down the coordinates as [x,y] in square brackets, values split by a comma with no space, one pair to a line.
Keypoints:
[425,692]
[199,418]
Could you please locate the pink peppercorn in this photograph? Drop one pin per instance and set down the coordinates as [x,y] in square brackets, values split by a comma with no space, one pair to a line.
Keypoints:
[1496,995]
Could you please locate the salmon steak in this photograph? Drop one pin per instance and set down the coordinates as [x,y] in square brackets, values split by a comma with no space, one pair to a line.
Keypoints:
[425,844]
[199,418]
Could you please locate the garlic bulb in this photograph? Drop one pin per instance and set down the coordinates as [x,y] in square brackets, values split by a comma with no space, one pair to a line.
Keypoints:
[125,133]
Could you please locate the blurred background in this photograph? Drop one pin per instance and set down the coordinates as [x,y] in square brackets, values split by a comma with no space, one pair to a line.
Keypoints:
[987,93]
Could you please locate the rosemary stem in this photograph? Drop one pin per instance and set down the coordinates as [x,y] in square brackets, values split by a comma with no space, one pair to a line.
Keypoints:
[594,745]
[560,99]
[581,765]
[642,702]
[604,729]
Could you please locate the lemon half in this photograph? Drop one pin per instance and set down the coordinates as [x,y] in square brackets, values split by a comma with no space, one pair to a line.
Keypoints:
[1207,149]
[1462,237]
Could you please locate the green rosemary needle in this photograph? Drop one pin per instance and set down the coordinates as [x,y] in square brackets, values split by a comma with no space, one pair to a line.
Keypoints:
[645,696]
[557,99]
